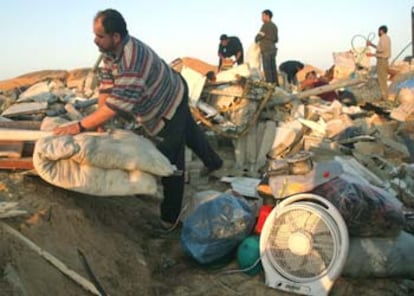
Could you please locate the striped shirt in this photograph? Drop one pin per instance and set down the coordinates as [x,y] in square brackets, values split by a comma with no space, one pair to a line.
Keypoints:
[141,84]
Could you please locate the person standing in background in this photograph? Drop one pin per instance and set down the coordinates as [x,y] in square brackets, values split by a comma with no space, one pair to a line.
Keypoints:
[229,47]
[267,39]
[382,54]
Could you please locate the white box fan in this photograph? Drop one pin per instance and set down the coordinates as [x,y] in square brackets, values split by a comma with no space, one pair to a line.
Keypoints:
[304,245]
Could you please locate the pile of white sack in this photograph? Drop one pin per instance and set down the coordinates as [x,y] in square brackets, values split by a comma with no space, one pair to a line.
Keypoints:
[116,163]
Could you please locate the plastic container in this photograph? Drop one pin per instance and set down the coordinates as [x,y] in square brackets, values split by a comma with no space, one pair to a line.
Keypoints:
[263,213]
[248,255]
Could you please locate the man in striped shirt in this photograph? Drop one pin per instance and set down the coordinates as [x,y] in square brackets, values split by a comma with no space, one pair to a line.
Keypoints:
[137,83]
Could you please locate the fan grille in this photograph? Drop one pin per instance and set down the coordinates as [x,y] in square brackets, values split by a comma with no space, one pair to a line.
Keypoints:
[301,243]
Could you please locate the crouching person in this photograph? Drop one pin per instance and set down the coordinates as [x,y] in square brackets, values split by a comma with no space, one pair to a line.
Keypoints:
[137,82]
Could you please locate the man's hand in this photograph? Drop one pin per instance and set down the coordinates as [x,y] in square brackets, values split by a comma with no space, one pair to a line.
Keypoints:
[68,129]
[369,43]
[90,122]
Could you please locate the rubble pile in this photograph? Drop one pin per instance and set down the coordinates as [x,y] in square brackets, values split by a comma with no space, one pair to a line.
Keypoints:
[264,122]
[283,138]
[48,93]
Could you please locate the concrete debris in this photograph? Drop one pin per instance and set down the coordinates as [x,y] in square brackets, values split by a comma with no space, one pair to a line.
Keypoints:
[267,129]
[25,108]
[261,120]
[363,129]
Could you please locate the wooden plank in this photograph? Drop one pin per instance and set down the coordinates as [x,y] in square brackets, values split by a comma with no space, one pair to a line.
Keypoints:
[21,124]
[22,135]
[25,108]
[77,278]
[25,163]
[12,149]
[329,87]
[223,92]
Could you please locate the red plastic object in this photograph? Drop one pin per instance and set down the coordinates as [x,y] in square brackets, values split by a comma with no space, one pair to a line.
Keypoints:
[263,213]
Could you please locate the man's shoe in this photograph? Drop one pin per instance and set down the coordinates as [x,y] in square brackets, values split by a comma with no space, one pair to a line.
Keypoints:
[205,171]
[166,225]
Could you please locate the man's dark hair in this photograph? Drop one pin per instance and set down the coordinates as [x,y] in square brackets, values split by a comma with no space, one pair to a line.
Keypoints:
[313,72]
[113,22]
[268,13]
[383,28]
[211,75]
[223,37]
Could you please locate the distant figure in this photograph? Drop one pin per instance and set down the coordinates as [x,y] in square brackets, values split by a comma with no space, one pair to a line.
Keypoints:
[312,80]
[229,47]
[291,68]
[267,39]
[211,77]
[382,54]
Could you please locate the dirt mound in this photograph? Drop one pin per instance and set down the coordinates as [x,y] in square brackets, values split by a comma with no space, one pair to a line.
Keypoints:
[193,63]
[124,247]
[62,222]
[29,79]
[76,77]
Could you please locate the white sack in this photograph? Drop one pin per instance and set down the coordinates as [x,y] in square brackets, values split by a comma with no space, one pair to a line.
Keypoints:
[117,163]
[195,82]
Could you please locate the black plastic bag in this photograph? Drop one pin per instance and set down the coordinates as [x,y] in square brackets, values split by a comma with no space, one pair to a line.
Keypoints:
[368,211]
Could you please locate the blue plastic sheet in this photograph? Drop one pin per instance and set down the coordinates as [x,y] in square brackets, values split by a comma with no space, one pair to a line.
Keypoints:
[409,83]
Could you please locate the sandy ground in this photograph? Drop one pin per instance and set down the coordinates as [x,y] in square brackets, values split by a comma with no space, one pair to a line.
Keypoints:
[124,247]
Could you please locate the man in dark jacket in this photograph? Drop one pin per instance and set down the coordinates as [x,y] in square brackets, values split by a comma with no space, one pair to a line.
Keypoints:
[291,68]
[229,47]
[267,39]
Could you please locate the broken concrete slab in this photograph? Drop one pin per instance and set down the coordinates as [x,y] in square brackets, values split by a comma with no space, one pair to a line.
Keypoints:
[42,97]
[336,126]
[34,90]
[25,108]
[369,148]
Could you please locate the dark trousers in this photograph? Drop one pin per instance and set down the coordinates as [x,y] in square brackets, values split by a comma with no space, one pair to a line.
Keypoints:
[179,132]
[269,67]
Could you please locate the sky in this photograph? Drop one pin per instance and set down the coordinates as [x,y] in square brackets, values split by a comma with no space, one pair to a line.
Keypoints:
[51,34]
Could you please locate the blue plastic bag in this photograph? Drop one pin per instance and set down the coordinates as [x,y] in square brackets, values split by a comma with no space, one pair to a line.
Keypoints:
[215,228]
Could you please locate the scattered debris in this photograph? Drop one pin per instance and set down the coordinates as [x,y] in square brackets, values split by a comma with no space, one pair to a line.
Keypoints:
[290,141]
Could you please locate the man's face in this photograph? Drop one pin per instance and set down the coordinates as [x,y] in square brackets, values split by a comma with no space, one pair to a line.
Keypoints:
[224,42]
[105,42]
[311,76]
[380,32]
[265,17]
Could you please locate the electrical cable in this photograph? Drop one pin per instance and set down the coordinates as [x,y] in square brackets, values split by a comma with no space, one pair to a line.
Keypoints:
[231,271]
[361,53]
[370,37]
[400,53]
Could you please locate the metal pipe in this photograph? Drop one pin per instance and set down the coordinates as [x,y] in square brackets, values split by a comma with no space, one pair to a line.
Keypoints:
[412,31]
